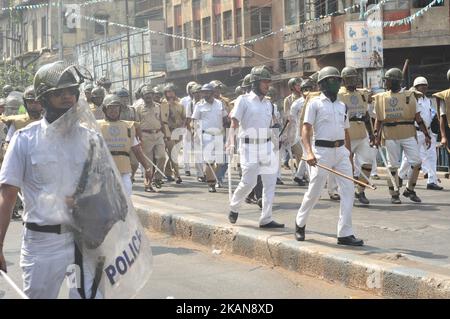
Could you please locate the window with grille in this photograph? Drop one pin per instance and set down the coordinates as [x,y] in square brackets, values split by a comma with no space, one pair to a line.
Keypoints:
[227,26]
[239,23]
[261,20]
[206,26]
[100,28]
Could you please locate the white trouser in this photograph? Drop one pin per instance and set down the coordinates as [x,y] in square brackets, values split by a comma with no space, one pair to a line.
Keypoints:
[338,159]
[45,259]
[410,149]
[363,154]
[198,157]
[187,150]
[257,160]
[429,159]
[305,154]
[127,184]
[362,150]
[332,185]
[374,166]
[302,166]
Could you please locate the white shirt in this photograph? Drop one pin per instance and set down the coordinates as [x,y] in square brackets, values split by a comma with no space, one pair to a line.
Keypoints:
[186,102]
[424,106]
[11,131]
[47,166]
[210,115]
[254,116]
[329,119]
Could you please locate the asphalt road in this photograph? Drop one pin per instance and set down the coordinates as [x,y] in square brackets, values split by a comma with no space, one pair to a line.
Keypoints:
[182,270]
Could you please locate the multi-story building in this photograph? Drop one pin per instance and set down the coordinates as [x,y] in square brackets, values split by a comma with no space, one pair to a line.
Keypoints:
[425,41]
[33,33]
[226,22]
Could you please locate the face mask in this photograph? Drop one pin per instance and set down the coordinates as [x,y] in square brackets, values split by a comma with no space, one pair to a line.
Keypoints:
[332,86]
[395,86]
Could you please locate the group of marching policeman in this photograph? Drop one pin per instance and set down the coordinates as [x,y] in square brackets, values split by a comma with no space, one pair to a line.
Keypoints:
[328,119]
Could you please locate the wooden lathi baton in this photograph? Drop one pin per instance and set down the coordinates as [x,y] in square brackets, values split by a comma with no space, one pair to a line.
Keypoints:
[343,175]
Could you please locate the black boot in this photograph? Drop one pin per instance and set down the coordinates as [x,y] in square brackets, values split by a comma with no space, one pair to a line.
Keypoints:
[300,232]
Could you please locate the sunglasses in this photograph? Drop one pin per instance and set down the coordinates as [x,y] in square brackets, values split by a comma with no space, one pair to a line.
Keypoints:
[60,92]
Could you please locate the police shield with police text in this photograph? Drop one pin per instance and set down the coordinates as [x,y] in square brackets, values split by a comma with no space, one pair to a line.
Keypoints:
[77,217]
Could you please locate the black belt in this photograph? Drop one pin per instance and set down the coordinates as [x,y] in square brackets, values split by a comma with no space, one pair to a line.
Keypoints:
[398,123]
[120,153]
[248,140]
[330,144]
[55,229]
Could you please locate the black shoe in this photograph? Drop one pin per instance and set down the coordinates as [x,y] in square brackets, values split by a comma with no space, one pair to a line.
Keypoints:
[259,202]
[201,179]
[149,189]
[187,173]
[350,241]
[335,197]
[425,176]
[272,224]
[362,198]
[279,181]
[157,184]
[299,181]
[300,232]
[179,180]
[412,196]
[232,217]
[434,187]
[250,200]
[212,189]
[396,199]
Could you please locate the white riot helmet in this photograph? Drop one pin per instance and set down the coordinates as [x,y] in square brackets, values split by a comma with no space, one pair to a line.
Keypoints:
[420,80]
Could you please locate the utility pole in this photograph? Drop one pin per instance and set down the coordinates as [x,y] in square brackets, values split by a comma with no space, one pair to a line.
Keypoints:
[60,29]
[130,85]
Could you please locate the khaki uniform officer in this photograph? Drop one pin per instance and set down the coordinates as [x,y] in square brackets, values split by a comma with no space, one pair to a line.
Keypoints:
[174,119]
[327,119]
[210,114]
[294,85]
[360,130]
[34,113]
[396,112]
[128,113]
[97,96]
[120,136]
[149,116]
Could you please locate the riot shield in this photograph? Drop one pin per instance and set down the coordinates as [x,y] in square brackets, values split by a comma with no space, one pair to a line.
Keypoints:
[112,250]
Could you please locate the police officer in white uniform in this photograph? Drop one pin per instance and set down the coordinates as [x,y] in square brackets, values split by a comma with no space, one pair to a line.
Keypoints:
[211,115]
[253,115]
[48,247]
[328,119]
[428,155]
